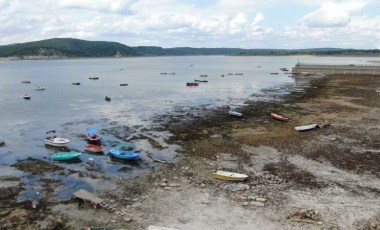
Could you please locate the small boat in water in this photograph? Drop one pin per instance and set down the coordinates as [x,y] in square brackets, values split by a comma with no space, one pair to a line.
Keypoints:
[279,117]
[306,127]
[124,84]
[55,141]
[93,78]
[76,83]
[64,156]
[274,73]
[200,80]
[224,175]
[94,148]
[234,113]
[192,84]
[125,155]
[26,81]
[203,75]
[40,87]
[107,98]
[27,96]
[92,135]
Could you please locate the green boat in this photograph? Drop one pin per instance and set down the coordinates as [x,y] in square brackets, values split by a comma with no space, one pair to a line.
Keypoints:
[63,156]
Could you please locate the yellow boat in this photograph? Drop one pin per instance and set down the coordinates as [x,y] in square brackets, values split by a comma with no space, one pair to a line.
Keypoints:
[223,175]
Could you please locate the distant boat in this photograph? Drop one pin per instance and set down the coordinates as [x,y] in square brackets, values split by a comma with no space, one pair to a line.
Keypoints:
[238,74]
[306,127]
[63,156]
[274,73]
[230,74]
[76,83]
[124,84]
[53,140]
[107,98]
[172,73]
[235,114]
[203,75]
[27,96]
[92,135]
[222,75]
[94,148]
[40,87]
[284,69]
[93,78]
[279,117]
[126,155]
[163,73]
[192,84]
[26,81]
[223,175]
[200,80]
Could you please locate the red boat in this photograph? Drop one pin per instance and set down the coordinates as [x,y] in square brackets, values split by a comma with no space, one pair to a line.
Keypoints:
[93,135]
[192,84]
[279,117]
[94,148]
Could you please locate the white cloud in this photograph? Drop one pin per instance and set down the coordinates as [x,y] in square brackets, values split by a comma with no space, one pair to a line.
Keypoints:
[332,14]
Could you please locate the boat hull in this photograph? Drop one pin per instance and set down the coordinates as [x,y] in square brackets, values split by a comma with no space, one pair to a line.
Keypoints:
[57,142]
[235,114]
[94,148]
[64,156]
[125,155]
[306,127]
[279,117]
[231,176]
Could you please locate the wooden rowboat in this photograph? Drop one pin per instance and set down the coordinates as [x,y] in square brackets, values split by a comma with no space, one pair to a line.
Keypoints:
[306,127]
[223,175]
[279,117]
[94,148]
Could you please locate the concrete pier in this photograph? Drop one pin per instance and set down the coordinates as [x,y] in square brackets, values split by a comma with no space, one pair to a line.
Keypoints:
[318,69]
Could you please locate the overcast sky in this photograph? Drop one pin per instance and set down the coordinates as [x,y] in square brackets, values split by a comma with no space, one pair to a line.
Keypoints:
[197,23]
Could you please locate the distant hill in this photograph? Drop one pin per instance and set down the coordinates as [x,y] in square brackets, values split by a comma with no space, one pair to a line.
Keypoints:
[66,48]
[71,48]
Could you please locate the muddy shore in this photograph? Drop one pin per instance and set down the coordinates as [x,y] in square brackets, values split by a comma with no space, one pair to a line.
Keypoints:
[327,178]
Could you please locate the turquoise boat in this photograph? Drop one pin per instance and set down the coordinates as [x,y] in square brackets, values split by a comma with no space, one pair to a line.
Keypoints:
[63,156]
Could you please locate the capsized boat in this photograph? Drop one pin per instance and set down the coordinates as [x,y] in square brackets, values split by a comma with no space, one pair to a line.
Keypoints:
[306,127]
[94,148]
[234,113]
[224,175]
[63,156]
[279,117]
[126,155]
[93,135]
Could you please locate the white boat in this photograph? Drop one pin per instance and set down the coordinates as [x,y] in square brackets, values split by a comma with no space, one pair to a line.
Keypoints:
[235,114]
[224,175]
[56,141]
[27,96]
[40,87]
[306,127]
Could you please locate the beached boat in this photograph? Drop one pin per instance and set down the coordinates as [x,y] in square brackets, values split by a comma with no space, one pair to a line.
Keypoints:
[107,98]
[76,83]
[234,113]
[64,156]
[94,148]
[40,87]
[124,84]
[26,81]
[55,141]
[200,80]
[125,155]
[27,96]
[92,135]
[192,83]
[224,175]
[279,117]
[93,78]
[306,127]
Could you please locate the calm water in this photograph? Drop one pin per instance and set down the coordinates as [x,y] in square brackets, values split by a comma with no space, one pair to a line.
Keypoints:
[72,109]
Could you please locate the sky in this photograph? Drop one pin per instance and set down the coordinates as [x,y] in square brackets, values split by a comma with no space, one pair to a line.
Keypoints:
[281,24]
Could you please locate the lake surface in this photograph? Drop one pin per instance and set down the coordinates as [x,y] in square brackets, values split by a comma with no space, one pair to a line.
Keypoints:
[71,109]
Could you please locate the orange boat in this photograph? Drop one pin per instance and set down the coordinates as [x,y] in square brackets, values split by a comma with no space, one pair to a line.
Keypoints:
[192,84]
[279,117]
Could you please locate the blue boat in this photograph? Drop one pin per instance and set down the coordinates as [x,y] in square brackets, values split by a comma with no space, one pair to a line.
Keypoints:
[126,155]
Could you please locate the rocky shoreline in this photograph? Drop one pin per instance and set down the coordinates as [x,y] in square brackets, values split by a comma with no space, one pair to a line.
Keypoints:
[328,178]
